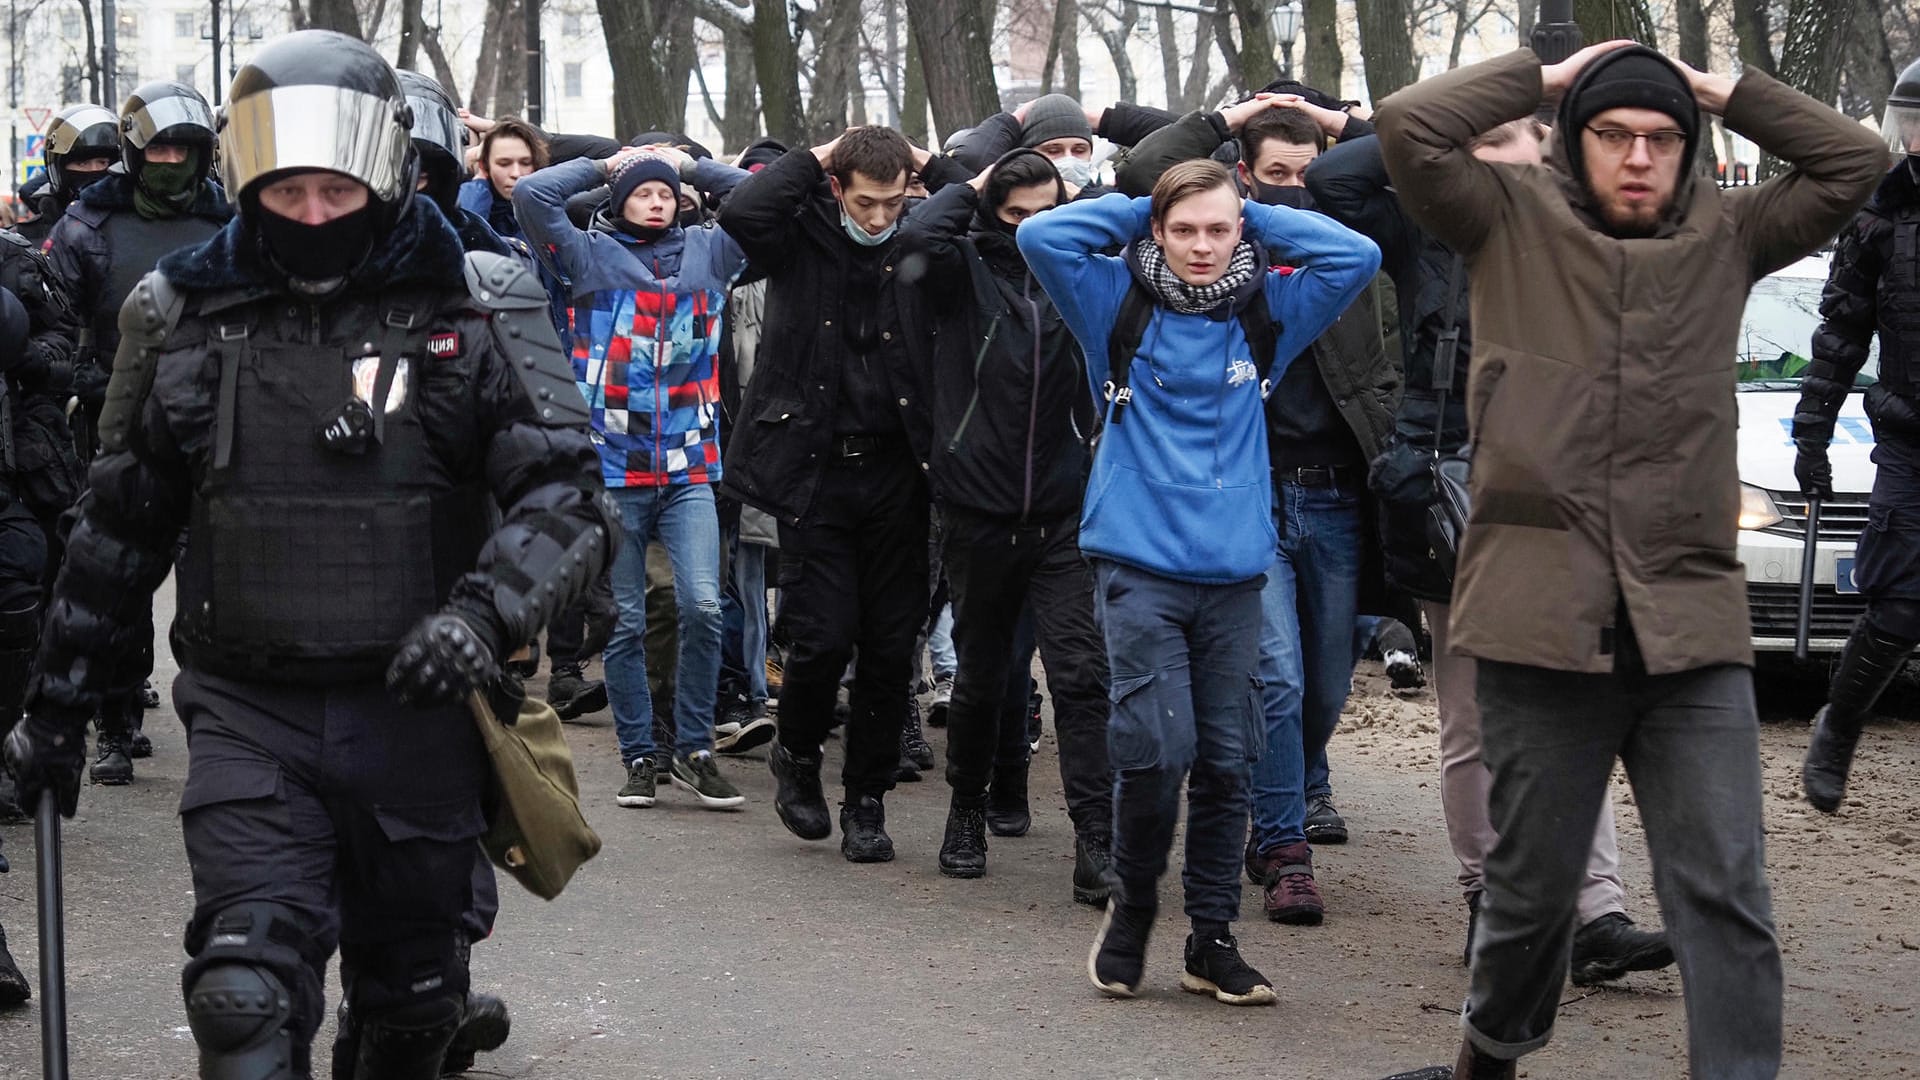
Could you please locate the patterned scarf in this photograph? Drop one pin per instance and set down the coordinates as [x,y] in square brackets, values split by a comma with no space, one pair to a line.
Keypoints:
[1193,299]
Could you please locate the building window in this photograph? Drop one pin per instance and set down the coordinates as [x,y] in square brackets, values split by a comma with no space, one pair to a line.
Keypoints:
[183,25]
[572,80]
[70,26]
[570,24]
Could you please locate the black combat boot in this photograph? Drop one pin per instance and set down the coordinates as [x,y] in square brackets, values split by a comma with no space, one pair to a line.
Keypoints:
[963,854]
[1868,663]
[1092,856]
[798,798]
[408,1043]
[913,740]
[572,694]
[483,1028]
[863,830]
[1007,810]
[112,765]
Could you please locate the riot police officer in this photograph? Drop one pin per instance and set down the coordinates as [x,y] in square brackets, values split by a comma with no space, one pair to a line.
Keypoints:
[333,399]
[83,141]
[1872,288]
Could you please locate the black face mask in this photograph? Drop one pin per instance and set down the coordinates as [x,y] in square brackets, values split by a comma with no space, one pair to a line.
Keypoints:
[692,218]
[81,181]
[1298,198]
[318,252]
[641,232]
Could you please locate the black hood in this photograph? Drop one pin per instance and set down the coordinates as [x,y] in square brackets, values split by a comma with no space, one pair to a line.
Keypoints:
[422,250]
[1567,158]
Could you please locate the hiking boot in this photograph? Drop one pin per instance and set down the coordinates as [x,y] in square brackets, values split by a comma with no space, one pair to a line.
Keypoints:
[138,745]
[14,988]
[963,854]
[637,793]
[697,773]
[1610,946]
[942,700]
[1214,967]
[1292,897]
[1092,857]
[863,830]
[111,764]
[797,798]
[1007,810]
[1324,823]
[572,695]
[484,1028]
[149,697]
[1118,960]
[753,733]
[913,741]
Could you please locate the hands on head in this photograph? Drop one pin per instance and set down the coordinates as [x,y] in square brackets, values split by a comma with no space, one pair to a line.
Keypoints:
[1331,121]
[1710,91]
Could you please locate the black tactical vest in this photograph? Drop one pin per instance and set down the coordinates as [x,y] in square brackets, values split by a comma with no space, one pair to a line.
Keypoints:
[1898,304]
[304,564]
[137,246]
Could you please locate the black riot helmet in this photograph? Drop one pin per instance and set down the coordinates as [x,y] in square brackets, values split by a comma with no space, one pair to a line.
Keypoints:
[1902,124]
[79,132]
[317,99]
[171,113]
[439,138]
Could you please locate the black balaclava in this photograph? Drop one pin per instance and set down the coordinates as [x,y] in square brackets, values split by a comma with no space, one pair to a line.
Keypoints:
[317,253]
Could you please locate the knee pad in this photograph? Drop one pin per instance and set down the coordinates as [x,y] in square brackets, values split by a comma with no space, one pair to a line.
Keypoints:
[1896,617]
[241,1016]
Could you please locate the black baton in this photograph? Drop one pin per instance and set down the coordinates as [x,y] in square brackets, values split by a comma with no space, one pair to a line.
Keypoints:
[1805,626]
[53,947]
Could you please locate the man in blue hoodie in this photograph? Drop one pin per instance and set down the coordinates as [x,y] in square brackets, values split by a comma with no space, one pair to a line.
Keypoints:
[647,300]
[1177,520]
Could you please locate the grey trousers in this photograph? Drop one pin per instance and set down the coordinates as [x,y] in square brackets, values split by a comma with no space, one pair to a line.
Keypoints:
[1690,743]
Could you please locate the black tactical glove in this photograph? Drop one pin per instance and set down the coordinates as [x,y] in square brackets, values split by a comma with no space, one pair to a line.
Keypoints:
[1812,469]
[440,661]
[45,756]
[1813,419]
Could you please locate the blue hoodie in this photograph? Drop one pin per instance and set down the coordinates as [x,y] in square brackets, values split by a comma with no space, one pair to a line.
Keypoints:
[1182,487]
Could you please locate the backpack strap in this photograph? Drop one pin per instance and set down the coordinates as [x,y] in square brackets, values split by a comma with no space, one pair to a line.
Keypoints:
[1263,337]
[1123,344]
[1447,347]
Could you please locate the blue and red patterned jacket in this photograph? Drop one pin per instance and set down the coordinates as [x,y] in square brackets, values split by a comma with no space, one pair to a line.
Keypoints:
[645,326]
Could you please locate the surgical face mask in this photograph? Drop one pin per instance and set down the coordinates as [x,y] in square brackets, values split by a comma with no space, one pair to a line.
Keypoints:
[863,237]
[1077,171]
[1298,198]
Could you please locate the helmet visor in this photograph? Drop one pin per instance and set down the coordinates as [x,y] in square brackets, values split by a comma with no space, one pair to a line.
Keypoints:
[1902,128]
[315,127]
[433,124]
[153,117]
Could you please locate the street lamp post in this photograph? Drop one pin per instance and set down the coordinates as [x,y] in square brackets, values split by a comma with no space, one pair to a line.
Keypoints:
[213,35]
[1286,27]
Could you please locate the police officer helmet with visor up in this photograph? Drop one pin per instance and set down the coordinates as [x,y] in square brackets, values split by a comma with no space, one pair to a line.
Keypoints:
[439,138]
[82,141]
[167,142]
[315,143]
[1902,123]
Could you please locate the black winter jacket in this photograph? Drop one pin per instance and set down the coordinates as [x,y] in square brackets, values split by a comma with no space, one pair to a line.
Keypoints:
[786,220]
[1010,401]
[38,456]
[1874,288]
[477,411]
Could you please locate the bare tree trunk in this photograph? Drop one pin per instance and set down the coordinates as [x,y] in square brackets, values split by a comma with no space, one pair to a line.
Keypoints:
[955,37]
[1070,53]
[650,44]
[1194,94]
[93,56]
[1323,66]
[1169,59]
[510,89]
[1810,58]
[1063,19]
[486,67]
[1868,70]
[1606,20]
[296,14]
[1386,45]
[413,24]
[1255,60]
[913,96]
[1116,39]
[1753,29]
[338,15]
[835,68]
[1695,52]
[776,62]
[1529,15]
[742,123]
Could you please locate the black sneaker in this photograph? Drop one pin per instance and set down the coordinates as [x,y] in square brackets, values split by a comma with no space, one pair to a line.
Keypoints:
[637,792]
[572,694]
[484,1028]
[111,764]
[753,733]
[1118,960]
[863,830]
[1214,967]
[1092,856]
[1007,810]
[798,800]
[963,854]
[697,773]
[1610,946]
[14,988]
[1324,823]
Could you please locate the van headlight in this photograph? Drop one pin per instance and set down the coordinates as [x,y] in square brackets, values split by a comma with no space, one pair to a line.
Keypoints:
[1757,509]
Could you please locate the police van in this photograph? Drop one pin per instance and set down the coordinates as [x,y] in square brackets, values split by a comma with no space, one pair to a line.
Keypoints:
[1776,337]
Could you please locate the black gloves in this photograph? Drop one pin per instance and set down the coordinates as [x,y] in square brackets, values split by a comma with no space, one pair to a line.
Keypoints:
[43,757]
[1812,469]
[1820,402]
[442,660]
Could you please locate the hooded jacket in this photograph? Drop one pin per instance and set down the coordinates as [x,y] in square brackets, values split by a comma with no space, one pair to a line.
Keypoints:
[646,321]
[1602,405]
[1010,407]
[1181,488]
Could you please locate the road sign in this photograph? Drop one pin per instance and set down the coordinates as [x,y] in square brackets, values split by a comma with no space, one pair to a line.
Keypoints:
[35,145]
[29,170]
[38,115]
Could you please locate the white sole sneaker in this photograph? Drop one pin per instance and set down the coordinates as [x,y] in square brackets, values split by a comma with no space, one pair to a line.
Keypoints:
[749,736]
[1194,984]
[708,801]
[633,802]
[1114,989]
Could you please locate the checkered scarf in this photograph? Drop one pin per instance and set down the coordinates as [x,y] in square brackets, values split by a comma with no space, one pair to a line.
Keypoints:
[1193,299]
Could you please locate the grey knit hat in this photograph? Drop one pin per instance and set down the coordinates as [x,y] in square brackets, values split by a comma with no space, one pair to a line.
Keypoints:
[1055,116]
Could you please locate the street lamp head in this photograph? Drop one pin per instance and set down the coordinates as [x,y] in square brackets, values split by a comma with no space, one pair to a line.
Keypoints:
[1286,22]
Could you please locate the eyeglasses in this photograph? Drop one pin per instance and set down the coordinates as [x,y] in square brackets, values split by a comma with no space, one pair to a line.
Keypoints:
[1619,141]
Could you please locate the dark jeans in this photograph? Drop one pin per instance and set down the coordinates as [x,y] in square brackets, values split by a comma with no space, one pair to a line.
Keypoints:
[310,823]
[856,577]
[1690,743]
[996,571]
[1186,706]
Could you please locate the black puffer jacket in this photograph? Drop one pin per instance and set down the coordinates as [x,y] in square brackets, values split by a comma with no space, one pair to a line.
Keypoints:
[1873,289]
[1011,406]
[477,412]
[40,462]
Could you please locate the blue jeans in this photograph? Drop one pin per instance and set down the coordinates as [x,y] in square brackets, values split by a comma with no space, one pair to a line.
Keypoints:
[750,581]
[1186,706]
[1306,652]
[683,518]
[946,661]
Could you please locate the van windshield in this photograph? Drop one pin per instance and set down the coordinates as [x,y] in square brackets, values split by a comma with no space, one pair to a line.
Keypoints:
[1776,336]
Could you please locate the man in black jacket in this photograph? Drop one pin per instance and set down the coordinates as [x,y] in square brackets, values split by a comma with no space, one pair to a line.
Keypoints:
[834,442]
[83,142]
[23,554]
[1010,413]
[382,462]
